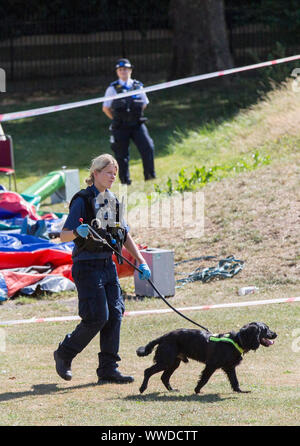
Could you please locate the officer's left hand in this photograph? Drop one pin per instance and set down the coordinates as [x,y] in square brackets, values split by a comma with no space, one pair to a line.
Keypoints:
[145,272]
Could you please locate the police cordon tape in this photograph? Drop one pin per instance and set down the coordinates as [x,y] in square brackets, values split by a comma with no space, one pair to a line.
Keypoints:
[164,85]
[157,311]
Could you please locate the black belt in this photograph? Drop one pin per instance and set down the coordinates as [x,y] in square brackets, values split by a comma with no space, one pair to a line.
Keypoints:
[102,262]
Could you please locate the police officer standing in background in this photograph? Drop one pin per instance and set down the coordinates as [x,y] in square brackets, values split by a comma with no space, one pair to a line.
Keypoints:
[128,122]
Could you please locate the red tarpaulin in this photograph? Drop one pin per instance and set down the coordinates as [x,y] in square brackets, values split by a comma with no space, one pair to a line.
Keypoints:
[55,258]
[60,261]
[13,205]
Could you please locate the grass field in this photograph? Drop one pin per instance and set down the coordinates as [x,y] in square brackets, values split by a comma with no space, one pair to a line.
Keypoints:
[253,215]
[32,394]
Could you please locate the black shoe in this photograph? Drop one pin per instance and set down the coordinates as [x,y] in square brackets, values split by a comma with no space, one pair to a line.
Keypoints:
[63,367]
[115,377]
[150,177]
[128,182]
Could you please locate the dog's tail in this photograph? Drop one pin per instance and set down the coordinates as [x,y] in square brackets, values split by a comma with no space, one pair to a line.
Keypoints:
[147,349]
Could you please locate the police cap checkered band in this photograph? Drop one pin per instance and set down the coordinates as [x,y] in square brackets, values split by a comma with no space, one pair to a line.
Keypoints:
[123,63]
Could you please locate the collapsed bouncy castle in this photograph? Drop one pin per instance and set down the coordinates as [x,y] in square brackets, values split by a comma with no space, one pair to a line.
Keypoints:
[32,258]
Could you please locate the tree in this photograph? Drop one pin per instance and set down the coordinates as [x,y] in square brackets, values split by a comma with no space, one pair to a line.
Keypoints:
[200,41]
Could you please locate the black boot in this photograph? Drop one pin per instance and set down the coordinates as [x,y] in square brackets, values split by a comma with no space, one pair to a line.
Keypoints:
[150,176]
[115,377]
[128,182]
[63,367]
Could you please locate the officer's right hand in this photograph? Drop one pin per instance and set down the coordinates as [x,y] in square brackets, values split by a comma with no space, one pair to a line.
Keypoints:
[82,230]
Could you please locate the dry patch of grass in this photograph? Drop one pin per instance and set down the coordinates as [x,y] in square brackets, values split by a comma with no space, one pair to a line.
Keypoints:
[254,216]
[32,394]
[277,115]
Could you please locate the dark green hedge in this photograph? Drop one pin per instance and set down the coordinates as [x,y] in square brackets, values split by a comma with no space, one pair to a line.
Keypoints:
[130,13]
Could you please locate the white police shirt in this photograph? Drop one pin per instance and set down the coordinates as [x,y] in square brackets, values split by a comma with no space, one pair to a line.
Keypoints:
[110,91]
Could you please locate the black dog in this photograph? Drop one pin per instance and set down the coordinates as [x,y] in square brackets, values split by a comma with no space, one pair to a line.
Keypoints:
[216,351]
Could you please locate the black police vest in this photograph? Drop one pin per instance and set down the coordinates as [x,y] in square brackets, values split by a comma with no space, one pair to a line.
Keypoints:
[115,236]
[130,109]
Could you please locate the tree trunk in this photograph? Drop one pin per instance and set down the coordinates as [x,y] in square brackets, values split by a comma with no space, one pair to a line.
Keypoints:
[200,41]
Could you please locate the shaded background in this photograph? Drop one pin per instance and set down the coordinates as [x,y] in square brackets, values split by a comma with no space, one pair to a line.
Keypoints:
[72,44]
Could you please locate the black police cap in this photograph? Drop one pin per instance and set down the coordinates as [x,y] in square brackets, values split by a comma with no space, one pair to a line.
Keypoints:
[123,63]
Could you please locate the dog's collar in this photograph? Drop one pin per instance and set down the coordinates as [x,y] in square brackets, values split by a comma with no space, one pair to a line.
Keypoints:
[226,338]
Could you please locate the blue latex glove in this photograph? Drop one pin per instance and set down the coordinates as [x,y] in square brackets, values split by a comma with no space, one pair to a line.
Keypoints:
[145,272]
[82,230]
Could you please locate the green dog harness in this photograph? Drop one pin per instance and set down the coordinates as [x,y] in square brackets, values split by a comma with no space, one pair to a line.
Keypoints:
[226,338]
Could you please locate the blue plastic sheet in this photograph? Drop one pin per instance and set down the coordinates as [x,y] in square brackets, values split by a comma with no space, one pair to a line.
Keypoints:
[23,243]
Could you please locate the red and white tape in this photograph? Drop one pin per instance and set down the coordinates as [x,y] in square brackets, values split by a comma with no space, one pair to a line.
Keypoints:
[55,108]
[158,311]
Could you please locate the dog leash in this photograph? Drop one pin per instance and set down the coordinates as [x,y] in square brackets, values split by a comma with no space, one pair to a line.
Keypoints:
[94,234]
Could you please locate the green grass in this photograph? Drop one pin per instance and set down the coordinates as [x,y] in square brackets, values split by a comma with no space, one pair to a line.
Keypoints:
[32,394]
[191,126]
[73,137]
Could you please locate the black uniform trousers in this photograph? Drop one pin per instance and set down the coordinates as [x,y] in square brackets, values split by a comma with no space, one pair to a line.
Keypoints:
[120,140]
[101,308]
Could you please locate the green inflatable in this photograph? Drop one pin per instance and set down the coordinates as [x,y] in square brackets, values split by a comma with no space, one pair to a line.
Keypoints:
[45,187]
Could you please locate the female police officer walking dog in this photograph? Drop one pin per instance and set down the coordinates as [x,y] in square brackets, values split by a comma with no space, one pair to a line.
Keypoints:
[128,122]
[99,295]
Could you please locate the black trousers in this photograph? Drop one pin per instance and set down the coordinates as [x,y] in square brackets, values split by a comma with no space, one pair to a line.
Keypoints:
[101,308]
[120,140]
